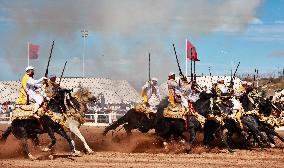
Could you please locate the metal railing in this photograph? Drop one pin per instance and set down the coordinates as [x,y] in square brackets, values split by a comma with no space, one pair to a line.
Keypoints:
[91,119]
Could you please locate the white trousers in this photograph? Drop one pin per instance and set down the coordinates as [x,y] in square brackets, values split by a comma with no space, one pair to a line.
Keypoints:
[37,98]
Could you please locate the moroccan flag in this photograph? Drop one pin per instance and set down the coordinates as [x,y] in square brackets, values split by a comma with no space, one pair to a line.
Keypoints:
[191,53]
[33,51]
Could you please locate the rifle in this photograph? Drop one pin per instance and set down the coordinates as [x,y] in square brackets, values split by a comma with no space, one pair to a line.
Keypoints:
[46,71]
[62,72]
[149,75]
[234,76]
[180,72]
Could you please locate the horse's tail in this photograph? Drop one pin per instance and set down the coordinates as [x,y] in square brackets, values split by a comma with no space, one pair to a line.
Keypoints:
[115,124]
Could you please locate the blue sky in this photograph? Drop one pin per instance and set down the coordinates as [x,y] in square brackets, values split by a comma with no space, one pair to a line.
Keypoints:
[122,33]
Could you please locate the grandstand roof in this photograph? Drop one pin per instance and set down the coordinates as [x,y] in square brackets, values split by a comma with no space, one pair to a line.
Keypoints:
[113,91]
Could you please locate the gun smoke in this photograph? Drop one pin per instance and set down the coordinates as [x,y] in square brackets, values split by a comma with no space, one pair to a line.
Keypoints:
[125,31]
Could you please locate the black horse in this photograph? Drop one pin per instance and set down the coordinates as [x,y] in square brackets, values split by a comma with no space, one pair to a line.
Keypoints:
[29,128]
[133,119]
[214,126]
[251,124]
[266,108]
[166,127]
[202,107]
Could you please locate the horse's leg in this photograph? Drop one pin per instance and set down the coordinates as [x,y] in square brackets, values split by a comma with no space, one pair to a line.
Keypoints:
[272,133]
[50,133]
[229,138]
[276,134]
[116,124]
[6,134]
[221,135]
[271,139]
[74,129]
[192,133]
[128,129]
[24,138]
[35,140]
[256,134]
[71,143]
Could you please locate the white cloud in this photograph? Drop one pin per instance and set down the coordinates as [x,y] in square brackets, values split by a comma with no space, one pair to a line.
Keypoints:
[256,21]
[137,27]
[279,22]
[76,60]
[265,32]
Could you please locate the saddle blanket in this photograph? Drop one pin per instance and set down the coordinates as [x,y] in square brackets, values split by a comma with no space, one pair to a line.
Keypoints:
[23,112]
[174,112]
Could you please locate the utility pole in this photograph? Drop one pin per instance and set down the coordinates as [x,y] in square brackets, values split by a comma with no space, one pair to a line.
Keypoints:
[84,35]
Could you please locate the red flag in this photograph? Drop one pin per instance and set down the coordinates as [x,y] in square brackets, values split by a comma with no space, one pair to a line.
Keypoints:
[191,53]
[33,51]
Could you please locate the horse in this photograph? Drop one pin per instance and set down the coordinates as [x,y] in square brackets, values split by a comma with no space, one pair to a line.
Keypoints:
[250,123]
[266,108]
[214,126]
[134,119]
[24,129]
[202,107]
[76,112]
[165,127]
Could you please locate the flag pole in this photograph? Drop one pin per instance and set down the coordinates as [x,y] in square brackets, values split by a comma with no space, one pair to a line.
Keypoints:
[191,74]
[186,58]
[194,74]
[28,53]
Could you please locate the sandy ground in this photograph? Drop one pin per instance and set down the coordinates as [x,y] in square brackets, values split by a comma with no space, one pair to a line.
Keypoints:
[138,150]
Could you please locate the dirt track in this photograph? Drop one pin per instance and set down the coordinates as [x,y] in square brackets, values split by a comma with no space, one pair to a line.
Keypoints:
[137,151]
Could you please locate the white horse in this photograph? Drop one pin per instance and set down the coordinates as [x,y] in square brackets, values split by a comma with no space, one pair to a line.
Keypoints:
[75,116]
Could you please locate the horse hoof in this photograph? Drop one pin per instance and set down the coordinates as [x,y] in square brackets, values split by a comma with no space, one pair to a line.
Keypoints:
[31,157]
[45,149]
[272,145]
[90,151]
[231,151]
[51,157]
[76,152]
[166,146]
[188,148]
[182,141]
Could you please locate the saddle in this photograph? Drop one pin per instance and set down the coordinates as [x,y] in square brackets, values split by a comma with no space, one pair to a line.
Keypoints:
[143,108]
[199,117]
[26,112]
[57,117]
[177,112]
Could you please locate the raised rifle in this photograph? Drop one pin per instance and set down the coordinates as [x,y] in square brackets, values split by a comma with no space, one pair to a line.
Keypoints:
[180,72]
[234,76]
[46,70]
[149,75]
[62,72]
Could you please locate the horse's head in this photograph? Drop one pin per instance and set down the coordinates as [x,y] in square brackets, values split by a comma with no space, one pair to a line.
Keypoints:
[84,95]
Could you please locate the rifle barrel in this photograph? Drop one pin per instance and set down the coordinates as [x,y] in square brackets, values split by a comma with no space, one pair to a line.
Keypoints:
[46,71]
[180,72]
[62,72]
[149,75]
